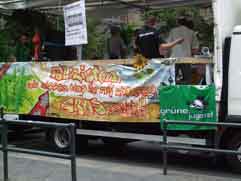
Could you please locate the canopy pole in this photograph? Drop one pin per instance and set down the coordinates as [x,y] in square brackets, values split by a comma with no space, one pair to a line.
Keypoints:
[79,52]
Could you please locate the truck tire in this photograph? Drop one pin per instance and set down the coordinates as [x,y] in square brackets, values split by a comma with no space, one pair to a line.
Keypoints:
[59,139]
[235,160]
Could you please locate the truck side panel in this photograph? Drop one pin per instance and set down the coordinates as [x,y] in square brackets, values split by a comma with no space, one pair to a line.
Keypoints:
[234,86]
[226,17]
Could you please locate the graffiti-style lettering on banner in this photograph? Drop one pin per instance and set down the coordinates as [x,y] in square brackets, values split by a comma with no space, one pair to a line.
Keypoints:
[82,91]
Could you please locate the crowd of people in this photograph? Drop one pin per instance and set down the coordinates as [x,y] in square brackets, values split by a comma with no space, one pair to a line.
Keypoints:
[147,41]
[181,42]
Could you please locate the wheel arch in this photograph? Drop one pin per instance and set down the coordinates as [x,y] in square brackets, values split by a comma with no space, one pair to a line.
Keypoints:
[227,134]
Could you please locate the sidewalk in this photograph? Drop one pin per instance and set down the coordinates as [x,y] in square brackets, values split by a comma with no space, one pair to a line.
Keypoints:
[22,168]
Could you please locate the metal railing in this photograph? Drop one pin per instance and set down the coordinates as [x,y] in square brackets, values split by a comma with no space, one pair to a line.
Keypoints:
[5,149]
[167,147]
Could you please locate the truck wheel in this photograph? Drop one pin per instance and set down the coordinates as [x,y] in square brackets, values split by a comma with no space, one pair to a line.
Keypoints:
[59,139]
[235,160]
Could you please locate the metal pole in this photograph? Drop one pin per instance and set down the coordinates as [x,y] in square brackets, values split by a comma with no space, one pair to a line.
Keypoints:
[79,52]
[73,152]
[165,147]
[4,145]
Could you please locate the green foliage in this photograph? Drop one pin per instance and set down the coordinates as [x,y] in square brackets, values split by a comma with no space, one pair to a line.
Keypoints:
[96,41]
[205,33]
[6,50]
[56,22]
[169,16]
[127,32]
[24,21]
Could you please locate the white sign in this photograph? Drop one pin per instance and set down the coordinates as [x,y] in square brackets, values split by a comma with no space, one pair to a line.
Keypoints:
[75,24]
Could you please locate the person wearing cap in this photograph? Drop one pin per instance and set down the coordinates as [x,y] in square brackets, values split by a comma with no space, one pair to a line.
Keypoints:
[188,48]
[149,42]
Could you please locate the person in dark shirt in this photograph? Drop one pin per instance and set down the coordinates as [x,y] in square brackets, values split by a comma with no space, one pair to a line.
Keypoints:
[23,49]
[149,42]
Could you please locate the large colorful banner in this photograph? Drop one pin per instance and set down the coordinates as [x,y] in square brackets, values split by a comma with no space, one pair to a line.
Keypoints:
[188,103]
[82,91]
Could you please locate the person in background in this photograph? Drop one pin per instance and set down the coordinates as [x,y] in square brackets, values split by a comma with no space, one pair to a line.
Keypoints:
[23,49]
[115,44]
[188,48]
[149,42]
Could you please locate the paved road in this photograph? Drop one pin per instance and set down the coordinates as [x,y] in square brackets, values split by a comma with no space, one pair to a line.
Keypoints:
[136,162]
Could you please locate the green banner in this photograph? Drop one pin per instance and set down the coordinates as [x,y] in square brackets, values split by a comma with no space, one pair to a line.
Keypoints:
[188,103]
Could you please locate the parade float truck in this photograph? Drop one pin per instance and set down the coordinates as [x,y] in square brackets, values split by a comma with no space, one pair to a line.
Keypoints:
[112,95]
